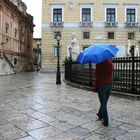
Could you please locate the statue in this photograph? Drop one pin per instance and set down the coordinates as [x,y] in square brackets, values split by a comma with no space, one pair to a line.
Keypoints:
[128,48]
[137,51]
[73,48]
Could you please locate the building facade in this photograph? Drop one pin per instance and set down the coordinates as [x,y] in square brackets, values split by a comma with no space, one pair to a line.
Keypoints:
[92,21]
[16,37]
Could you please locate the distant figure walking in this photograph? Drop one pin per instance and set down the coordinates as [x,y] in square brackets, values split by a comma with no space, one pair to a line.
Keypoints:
[37,68]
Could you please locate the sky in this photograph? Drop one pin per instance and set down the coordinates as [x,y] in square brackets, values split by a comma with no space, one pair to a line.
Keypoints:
[34,8]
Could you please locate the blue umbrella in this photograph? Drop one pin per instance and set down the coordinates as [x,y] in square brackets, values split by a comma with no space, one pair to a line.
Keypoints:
[97,53]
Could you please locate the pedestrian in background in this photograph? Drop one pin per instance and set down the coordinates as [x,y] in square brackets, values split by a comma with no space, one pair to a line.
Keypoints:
[104,74]
[37,68]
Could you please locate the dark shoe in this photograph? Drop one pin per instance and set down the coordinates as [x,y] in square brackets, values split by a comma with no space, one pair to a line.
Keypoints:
[105,124]
[98,117]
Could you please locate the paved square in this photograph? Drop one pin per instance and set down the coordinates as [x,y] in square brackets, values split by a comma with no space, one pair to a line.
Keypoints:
[33,107]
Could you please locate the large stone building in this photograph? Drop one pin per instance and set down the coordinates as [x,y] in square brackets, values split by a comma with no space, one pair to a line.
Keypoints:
[16,37]
[92,22]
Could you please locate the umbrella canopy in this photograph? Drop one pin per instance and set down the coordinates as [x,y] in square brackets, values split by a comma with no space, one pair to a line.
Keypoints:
[97,53]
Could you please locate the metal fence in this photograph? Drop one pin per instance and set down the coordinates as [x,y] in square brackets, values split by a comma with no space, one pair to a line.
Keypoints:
[126,74]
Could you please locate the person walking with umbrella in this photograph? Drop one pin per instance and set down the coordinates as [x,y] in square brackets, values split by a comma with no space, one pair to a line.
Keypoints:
[103,74]
[100,54]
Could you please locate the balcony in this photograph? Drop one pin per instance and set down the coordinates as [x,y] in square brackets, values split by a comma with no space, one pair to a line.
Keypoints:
[131,24]
[57,24]
[111,24]
[86,24]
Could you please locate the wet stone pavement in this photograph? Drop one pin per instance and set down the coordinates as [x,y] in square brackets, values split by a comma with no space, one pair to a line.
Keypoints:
[33,107]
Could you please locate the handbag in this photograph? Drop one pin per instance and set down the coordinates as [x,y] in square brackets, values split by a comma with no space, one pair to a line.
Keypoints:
[95,85]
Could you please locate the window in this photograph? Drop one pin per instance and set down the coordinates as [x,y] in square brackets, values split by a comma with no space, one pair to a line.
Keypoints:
[131,36]
[130,15]
[110,15]
[57,15]
[6,28]
[110,35]
[15,61]
[22,36]
[15,32]
[86,14]
[86,35]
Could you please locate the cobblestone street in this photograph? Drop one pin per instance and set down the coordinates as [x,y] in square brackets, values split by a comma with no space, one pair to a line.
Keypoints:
[33,107]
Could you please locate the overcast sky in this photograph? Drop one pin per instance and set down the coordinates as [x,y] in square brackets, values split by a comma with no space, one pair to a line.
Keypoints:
[34,8]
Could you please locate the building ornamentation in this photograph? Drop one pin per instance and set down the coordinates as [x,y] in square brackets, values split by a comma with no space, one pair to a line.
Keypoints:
[71,5]
[74,46]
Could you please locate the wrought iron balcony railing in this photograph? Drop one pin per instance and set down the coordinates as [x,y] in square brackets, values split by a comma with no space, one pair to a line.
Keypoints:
[111,24]
[57,24]
[86,24]
[131,24]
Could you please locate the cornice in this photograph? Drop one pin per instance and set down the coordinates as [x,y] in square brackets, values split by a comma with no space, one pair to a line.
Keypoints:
[86,3]
[110,3]
[136,4]
[57,3]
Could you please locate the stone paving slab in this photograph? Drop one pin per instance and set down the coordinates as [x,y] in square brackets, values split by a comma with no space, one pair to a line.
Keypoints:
[33,107]
[9,132]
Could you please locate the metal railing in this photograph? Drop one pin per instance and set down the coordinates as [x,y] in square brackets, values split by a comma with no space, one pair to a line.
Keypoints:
[131,24]
[86,24]
[57,24]
[126,74]
[111,24]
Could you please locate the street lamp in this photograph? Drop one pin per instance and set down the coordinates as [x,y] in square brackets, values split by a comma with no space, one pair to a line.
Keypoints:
[70,51]
[58,75]
[132,51]
[70,62]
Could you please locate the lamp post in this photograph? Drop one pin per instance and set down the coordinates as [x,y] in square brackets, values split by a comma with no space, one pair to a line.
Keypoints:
[132,51]
[58,74]
[70,51]
[70,63]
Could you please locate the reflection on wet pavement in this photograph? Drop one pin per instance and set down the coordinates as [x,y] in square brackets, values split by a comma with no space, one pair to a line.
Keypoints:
[33,107]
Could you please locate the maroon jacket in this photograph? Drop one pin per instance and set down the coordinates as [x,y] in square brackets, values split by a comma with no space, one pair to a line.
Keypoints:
[104,72]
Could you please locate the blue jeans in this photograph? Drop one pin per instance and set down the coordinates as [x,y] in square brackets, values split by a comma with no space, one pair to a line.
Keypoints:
[104,91]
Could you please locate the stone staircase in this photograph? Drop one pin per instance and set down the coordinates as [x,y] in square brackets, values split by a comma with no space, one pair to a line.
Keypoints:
[6,67]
